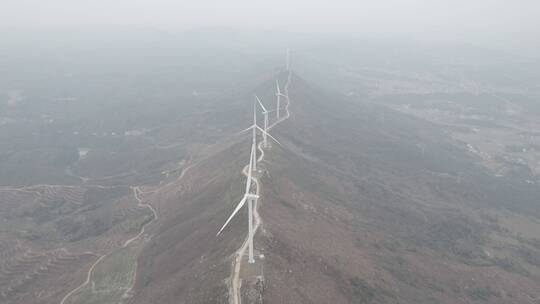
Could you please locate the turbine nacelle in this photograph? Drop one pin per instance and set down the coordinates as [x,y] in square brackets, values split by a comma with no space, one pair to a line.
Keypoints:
[252,196]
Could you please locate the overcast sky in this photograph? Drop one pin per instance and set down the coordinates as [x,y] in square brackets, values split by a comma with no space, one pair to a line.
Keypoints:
[511,23]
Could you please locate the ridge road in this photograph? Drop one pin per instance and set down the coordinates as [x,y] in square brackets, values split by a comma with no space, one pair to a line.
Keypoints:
[237,262]
[236,282]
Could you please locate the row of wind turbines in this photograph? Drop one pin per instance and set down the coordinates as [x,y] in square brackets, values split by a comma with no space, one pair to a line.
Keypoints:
[250,197]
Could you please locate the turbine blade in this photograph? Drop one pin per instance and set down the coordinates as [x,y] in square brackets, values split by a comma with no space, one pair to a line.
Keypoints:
[272,137]
[277,86]
[245,130]
[242,202]
[262,106]
[250,168]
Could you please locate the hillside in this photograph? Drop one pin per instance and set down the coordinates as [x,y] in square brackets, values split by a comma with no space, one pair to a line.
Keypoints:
[368,205]
[362,203]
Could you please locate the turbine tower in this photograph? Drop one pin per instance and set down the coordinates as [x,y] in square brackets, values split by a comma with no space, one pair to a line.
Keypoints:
[251,199]
[265,113]
[254,144]
[278,95]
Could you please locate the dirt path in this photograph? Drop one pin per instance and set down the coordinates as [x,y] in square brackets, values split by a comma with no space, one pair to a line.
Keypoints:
[136,192]
[236,282]
[141,204]
[88,276]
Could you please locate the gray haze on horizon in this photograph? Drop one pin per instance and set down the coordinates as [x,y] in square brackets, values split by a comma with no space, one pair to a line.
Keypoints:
[512,25]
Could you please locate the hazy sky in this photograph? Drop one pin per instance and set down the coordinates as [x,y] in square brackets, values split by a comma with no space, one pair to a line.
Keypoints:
[514,23]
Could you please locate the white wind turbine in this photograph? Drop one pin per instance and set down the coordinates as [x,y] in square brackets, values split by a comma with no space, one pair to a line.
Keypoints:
[265,113]
[251,199]
[278,95]
[256,127]
[248,196]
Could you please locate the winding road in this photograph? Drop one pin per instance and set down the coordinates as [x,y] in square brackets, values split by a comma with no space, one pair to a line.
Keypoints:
[137,192]
[236,282]
[141,204]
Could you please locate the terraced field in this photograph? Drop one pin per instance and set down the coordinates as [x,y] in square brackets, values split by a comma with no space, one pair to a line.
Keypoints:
[25,275]
[111,279]
[50,235]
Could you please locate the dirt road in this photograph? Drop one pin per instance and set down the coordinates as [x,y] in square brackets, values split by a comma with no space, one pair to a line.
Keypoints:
[141,204]
[236,282]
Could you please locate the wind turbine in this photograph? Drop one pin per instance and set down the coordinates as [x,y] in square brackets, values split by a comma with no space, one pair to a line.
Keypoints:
[256,127]
[265,113]
[250,198]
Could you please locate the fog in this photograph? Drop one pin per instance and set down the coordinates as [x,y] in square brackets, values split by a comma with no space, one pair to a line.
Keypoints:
[394,158]
[510,25]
